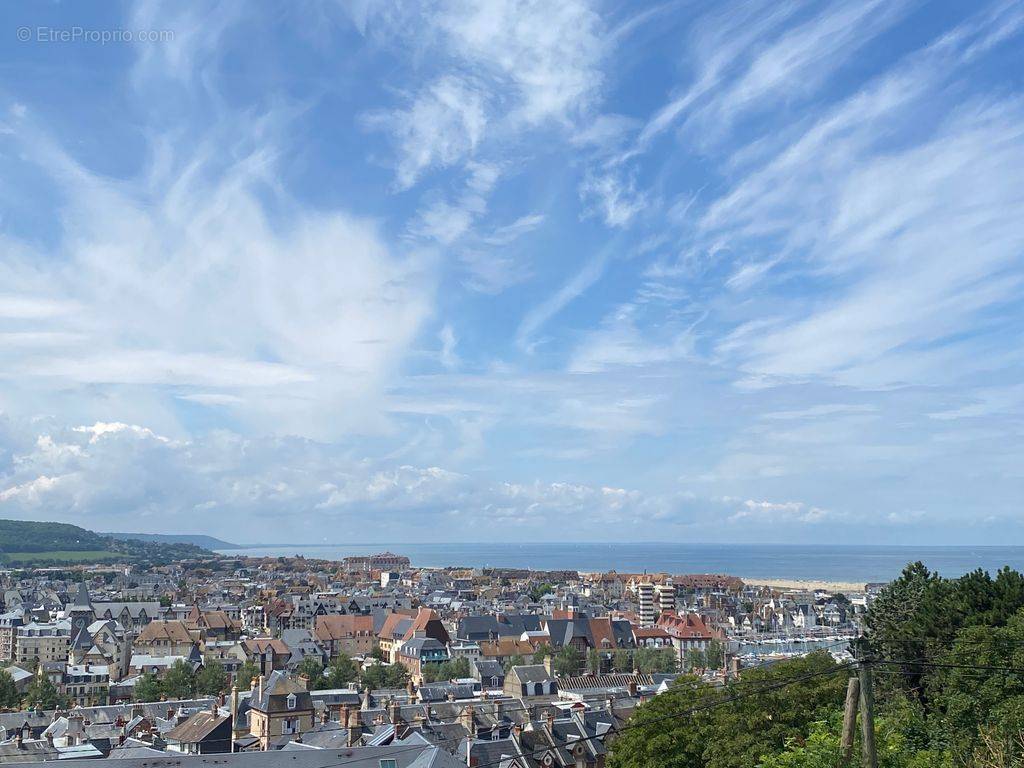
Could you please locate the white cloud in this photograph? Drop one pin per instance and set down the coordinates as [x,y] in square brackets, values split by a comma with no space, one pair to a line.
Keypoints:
[914,287]
[186,278]
[619,342]
[743,59]
[803,58]
[449,342]
[539,315]
[780,512]
[116,476]
[441,126]
[100,429]
[615,199]
[550,54]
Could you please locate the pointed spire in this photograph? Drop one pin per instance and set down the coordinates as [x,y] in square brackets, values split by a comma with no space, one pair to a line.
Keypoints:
[81,601]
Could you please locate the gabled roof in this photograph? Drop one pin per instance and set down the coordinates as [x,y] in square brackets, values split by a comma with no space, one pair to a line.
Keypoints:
[342,627]
[689,625]
[198,727]
[171,630]
[530,673]
[262,644]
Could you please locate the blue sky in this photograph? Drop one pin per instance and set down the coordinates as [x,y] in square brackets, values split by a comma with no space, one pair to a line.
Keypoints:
[468,269]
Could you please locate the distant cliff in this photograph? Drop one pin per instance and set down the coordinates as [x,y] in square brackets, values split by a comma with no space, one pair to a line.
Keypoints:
[196,539]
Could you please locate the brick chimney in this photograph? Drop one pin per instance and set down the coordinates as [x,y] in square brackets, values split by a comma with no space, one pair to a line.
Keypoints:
[395,712]
[355,730]
[466,718]
[549,665]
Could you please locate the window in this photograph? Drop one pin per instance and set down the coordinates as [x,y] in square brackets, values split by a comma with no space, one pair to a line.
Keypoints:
[291,701]
[389,763]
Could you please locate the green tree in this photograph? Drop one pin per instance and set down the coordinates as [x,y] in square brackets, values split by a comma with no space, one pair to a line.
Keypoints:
[715,653]
[147,688]
[341,672]
[593,661]
[385,676]
[543,651]
[43,694]
[539,590]
[696,659]
[513,661]
[180,681]
[460,668]
[970,707]
[396,676]
[733,725]
[919,614]
[820,748]
[212,679]
[449,670]
[9,696]
[377,653]
[655,660]
[311,667]
[568,661]
[622,660]
[245,674]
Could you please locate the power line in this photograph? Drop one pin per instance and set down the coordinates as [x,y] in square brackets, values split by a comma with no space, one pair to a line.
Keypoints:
[671,715]
[716,704]
[502,709]
[692,710]
[943,665]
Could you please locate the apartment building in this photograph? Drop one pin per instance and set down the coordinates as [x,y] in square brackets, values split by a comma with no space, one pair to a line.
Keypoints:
[9,623]
[645,603]
[40,642]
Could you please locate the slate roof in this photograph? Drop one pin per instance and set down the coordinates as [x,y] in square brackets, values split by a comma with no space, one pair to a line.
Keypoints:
[196,728]
[135,609]
[274,696]
[343,627]
[171,630]
[531,673]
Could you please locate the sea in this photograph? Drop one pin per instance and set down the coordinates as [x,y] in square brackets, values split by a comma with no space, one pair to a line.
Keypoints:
[811,562]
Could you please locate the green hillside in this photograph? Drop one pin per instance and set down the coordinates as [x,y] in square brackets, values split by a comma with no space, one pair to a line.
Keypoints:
[31,536]
[28,543]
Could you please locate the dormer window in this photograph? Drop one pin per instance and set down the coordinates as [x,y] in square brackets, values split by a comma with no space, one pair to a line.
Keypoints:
[291,701]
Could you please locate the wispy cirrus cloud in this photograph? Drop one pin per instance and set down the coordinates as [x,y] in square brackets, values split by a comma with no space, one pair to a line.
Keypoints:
[183,281]
[514,261]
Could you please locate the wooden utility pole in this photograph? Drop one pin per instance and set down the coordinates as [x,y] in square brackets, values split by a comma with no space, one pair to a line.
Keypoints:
[850,718]
[869,758]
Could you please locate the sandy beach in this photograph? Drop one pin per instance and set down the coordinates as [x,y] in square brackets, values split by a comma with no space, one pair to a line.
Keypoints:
[808,584]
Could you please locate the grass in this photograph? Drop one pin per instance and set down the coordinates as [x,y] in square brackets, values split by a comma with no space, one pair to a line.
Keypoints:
[63,556]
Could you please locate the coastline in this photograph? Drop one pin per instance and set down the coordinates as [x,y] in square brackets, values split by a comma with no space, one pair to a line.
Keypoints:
[807,584]
[790,565]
